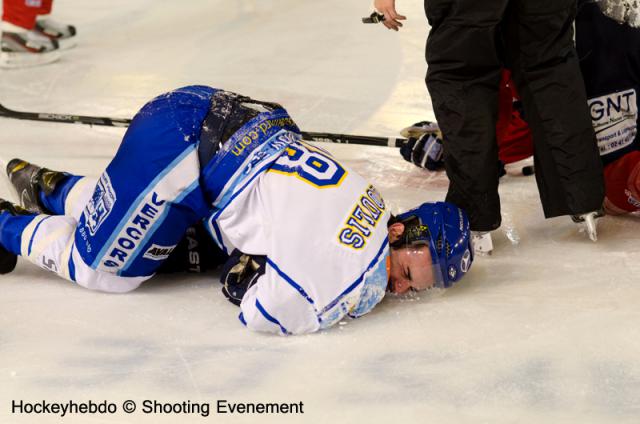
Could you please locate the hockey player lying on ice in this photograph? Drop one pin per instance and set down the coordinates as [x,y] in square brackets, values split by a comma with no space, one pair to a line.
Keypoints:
[609,51]
[318,241]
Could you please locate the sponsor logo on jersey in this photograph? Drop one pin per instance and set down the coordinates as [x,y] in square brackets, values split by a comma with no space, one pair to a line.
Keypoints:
[100,204]
[158,253]
[194,251]
[259,130]
[134,231]
[363,219]
[615,120]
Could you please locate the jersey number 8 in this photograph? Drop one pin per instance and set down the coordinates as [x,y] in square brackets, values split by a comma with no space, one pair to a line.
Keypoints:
[311,165]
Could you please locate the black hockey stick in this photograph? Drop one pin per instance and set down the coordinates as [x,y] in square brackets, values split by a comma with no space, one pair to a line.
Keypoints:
[123,122]
[118,122]
[353,139]
[69,119]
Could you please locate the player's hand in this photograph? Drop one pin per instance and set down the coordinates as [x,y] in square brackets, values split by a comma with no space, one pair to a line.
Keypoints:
[423,146]
[239,273]
[391,17]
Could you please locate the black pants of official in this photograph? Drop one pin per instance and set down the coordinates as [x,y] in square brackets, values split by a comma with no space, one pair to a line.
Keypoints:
[469,43]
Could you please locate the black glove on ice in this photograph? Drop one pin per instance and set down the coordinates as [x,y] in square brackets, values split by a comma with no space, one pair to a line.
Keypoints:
[423,146]
[239,273]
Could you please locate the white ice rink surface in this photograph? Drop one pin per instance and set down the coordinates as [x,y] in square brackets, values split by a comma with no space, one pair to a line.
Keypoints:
[544,331]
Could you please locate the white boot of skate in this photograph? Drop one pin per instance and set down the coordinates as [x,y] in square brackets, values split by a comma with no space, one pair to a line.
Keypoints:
[22,48]
[482,243]
[64,34]
[588,223]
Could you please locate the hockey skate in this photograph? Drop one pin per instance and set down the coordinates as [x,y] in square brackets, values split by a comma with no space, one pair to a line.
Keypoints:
[22,48]
[482,243]
[29,180]
[588,223]
[62,33]
[8,260]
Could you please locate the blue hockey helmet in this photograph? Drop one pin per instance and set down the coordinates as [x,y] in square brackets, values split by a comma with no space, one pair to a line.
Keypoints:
[443,227]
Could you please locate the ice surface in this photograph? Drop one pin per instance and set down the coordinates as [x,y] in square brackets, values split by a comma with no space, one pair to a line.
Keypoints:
[544,331]
[627,11]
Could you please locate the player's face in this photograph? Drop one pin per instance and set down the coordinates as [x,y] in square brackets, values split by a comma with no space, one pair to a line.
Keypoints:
[410,269]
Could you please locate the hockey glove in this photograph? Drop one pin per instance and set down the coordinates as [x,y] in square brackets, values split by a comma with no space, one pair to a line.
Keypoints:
[240,273]
[424,150]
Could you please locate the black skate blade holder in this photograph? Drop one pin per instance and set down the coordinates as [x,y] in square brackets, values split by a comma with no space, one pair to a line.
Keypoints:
[374,18]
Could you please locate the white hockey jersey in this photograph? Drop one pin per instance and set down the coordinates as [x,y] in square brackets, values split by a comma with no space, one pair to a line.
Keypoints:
[322,227]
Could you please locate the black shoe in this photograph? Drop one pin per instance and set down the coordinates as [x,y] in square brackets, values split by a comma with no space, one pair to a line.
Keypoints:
[29,180]
[8,260]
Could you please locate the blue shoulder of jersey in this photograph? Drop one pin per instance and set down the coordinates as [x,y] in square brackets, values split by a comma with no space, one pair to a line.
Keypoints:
[247,154]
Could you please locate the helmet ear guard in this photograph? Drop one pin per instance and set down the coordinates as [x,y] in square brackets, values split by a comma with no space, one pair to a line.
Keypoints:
[445,229]
[415,233]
